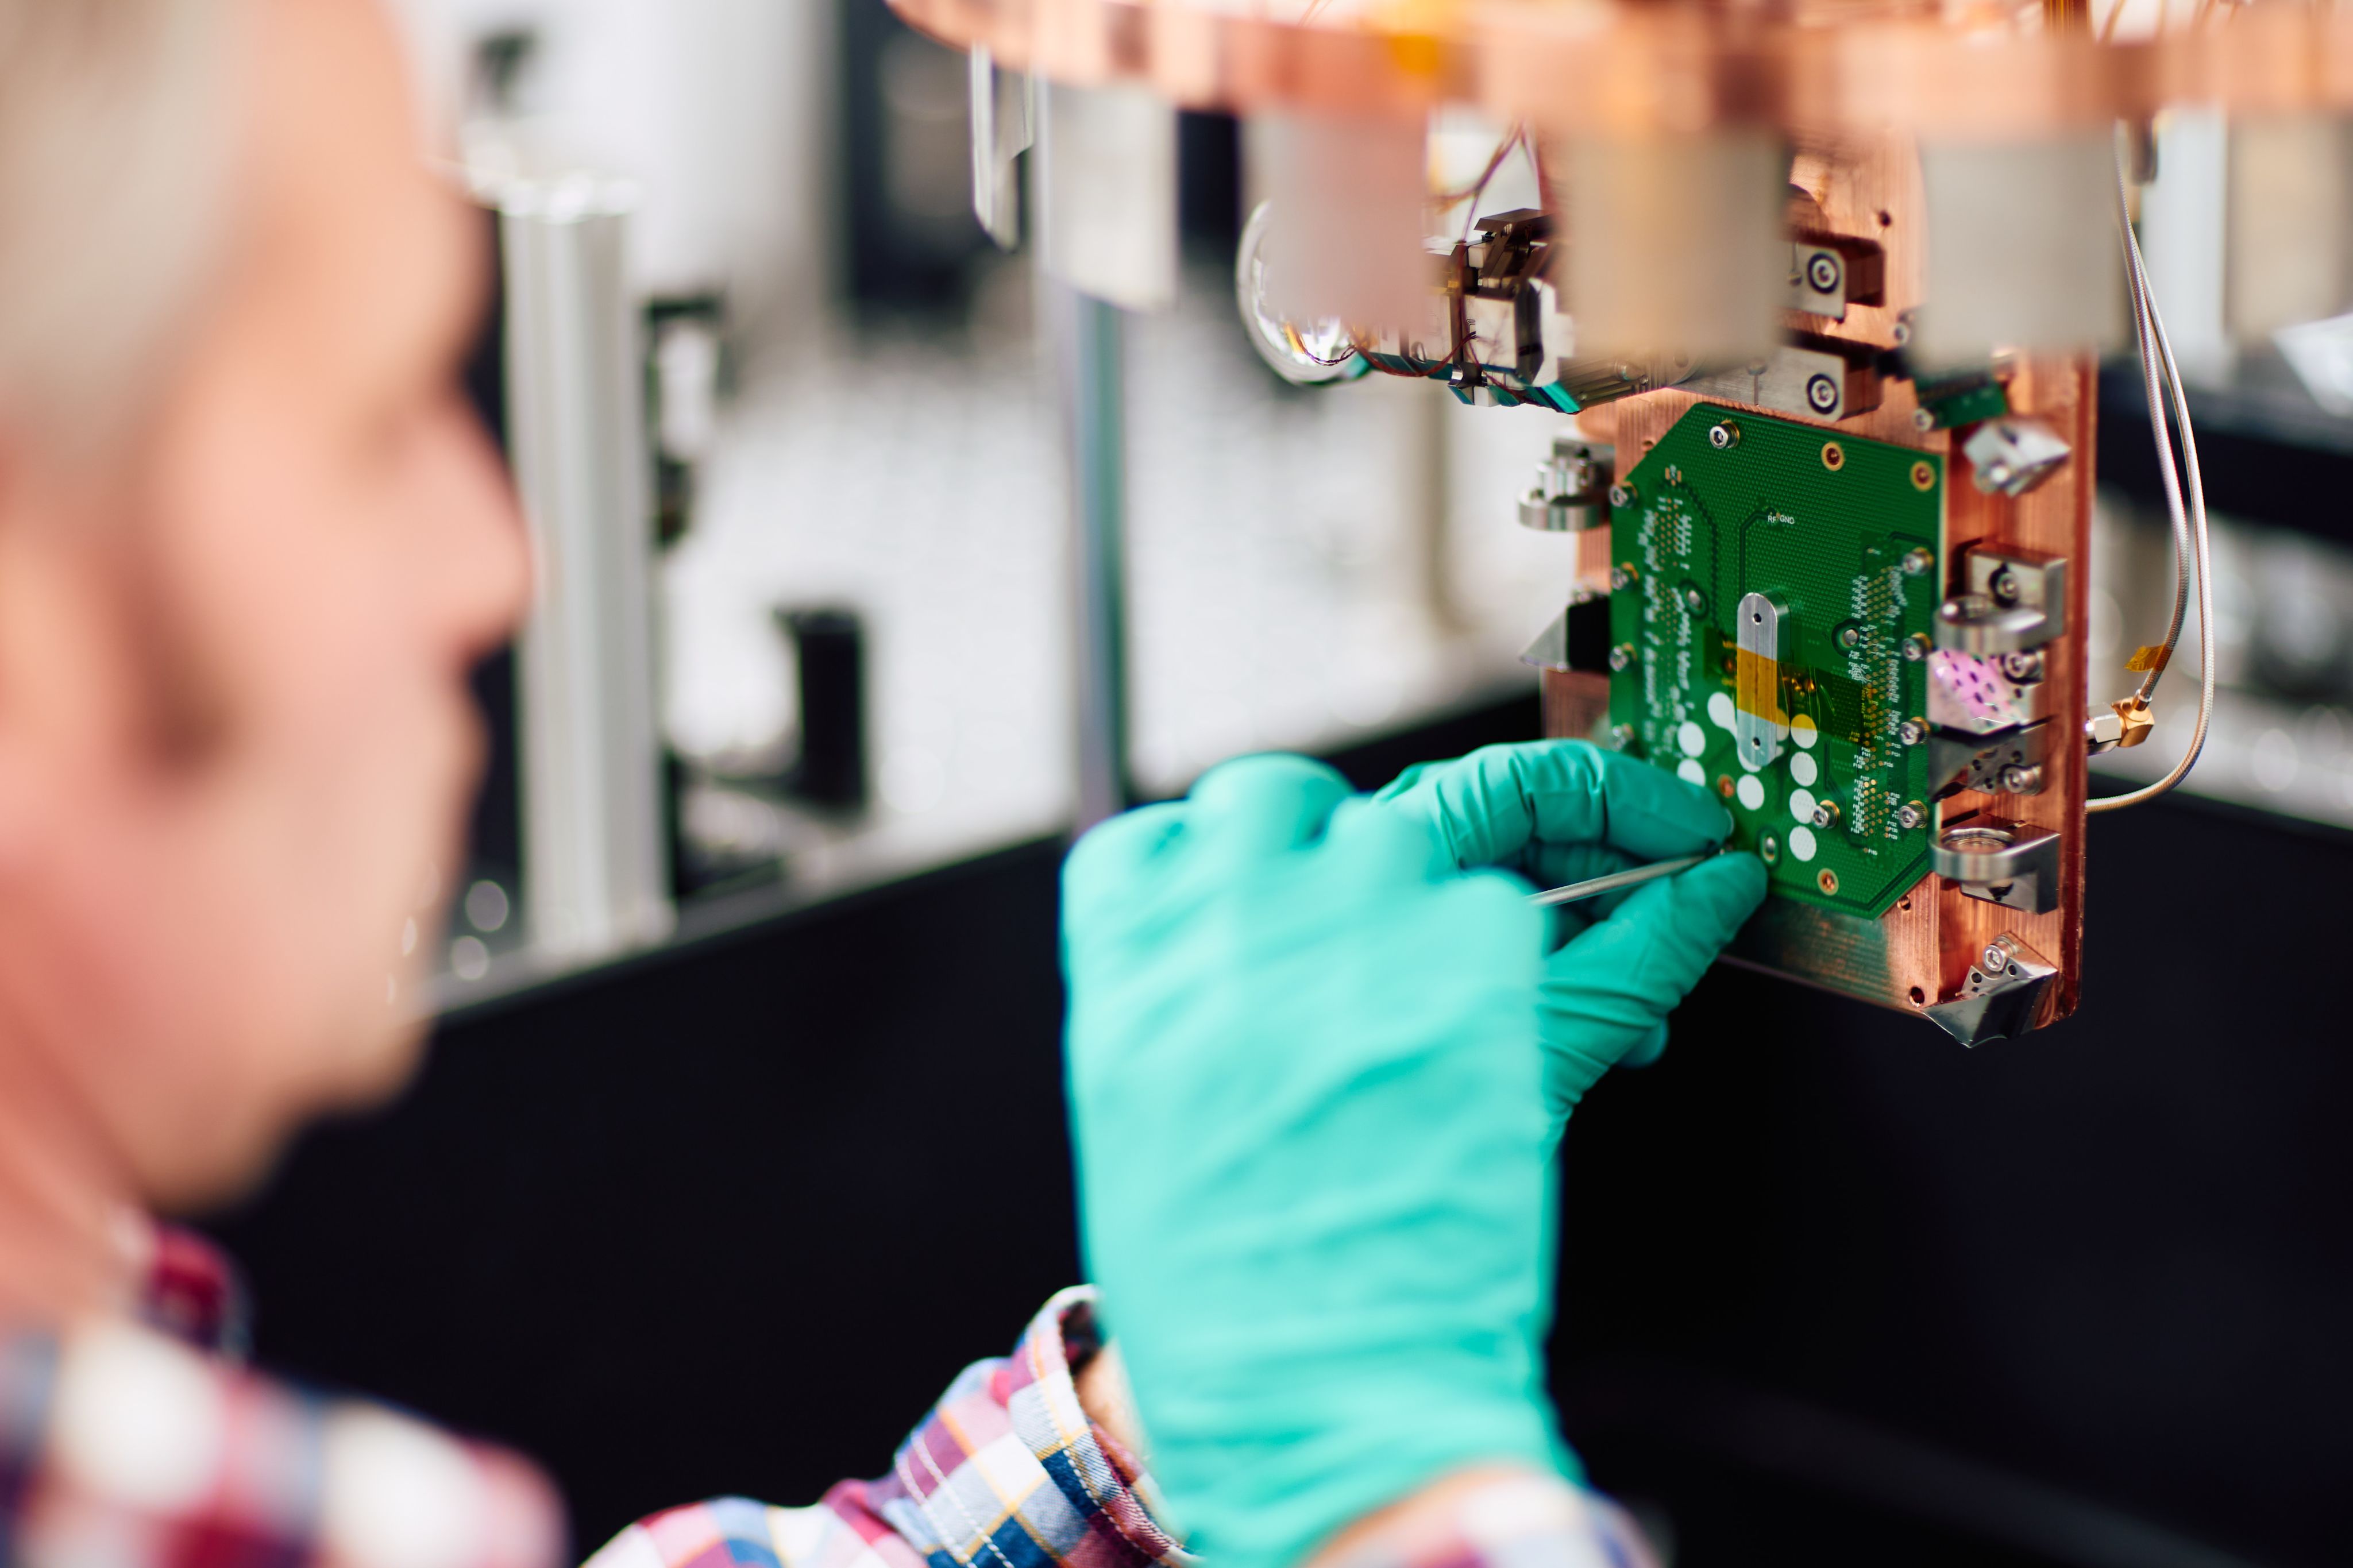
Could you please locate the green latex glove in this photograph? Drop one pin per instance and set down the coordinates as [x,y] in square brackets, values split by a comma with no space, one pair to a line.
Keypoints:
[1560,811]
[1309,1080]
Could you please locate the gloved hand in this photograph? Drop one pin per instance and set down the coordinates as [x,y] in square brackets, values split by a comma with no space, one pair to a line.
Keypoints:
[1309,1082]
[1560,811]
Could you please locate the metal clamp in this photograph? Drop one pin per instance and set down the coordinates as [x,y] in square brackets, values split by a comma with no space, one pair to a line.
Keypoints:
[1572,488]
[2012,457]
[2001,995]
[2013,863]
[2009,763]
[2012,601]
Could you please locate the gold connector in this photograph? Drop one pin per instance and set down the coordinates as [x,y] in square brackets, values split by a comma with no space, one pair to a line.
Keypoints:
[2138,720]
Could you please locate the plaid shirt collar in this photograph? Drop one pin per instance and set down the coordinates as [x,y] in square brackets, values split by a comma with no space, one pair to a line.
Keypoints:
[125,1446]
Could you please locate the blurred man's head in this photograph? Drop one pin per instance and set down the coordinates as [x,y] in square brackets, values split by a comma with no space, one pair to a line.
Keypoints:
[250,543]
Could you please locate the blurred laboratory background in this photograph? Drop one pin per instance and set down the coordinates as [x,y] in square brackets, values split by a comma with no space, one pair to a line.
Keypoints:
[743,1131]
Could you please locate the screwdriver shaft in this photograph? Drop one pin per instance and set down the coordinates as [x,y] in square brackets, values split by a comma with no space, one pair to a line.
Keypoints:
[1594,887]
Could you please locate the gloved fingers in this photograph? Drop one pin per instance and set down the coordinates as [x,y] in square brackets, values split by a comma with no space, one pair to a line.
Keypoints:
[1489,806]
[1647,1050]
[1245,810]
[1102,870]
[1608,992]
[1380,849]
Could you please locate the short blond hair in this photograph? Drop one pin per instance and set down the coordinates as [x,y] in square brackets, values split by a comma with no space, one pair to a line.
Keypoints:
[115,138]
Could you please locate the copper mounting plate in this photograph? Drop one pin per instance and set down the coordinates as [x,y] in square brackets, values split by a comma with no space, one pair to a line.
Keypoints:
[1812,68]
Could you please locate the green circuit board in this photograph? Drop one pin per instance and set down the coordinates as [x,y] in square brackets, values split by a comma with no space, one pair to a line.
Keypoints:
[1772,590]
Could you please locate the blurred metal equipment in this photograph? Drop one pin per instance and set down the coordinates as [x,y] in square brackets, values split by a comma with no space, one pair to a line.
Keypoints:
[1107,193]
[829,649]
[595,882]
[1090,369]
[1001,134]
[2021,249]
[2290,221]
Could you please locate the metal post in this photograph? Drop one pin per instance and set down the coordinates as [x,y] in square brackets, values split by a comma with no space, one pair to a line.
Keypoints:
[1090,368]
[595,879]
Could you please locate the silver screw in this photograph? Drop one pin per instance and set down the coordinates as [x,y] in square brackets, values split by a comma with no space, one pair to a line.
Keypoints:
[2020,779]
[1850,636]
[1826,814]
[1822,272]
[1923,420]
[1622,736]
[1620,657]
[1621,495]
[1723,434]
[1911,732]
[1918,562]
[2004,586]
[1821,393]
[1916,646]
[1621,579]
[1909,815]
[1995,959]
[1694,601]
[2023,667]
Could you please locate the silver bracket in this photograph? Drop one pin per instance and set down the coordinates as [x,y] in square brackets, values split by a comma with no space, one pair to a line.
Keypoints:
[1572,488]
[1800,380]
[2012,457]
[2013,863]
[2001,996]
[2008,762]
[2012,601]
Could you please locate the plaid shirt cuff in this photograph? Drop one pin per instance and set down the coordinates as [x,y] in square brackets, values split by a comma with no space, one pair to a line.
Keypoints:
[1008,1471]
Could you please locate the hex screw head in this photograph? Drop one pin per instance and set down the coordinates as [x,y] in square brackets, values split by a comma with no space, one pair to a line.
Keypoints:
[1994,959]
[1620,658]
[2023,667]
[1826,814]
[1621,579]
[1621,494]
[1850,636]
[1694,601]
[2020,779]
[1918,562]
[1916,646]
[2004,586]
[1723,434]
[1923,420]
[1822,272]
[1910,815]
[1622,736]
[1911,732]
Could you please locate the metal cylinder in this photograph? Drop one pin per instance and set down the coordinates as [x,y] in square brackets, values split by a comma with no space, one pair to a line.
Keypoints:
[594,874]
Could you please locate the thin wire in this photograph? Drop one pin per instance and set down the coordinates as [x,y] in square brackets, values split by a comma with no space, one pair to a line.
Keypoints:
[2157,349]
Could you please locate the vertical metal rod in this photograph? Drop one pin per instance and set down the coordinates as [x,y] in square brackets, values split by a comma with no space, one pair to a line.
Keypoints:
[596,877]
[1090,369]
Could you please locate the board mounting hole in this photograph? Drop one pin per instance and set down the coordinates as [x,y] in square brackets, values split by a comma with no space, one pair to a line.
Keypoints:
[1826,881]
[1919,997]
[1904,903]
[1834,456]
[1923,477]
[1885,221]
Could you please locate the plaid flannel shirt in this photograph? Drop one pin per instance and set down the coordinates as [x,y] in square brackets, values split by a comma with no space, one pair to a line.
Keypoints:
[1008,1471]
[144,1444]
